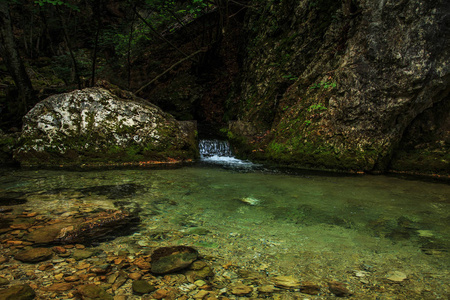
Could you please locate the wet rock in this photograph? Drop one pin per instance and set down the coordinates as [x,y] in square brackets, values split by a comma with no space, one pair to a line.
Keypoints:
[79,254]
[286,282]
[34,255]
[250,200]
[71,278]
[267,289]
[59,287]
[201,294]
[102,269]
[199,270]
[142,287]
[90,291]
[241,289]
[99,226]
[135,276]
[396,276]
[3,281]
[339,289]
[18,292]
[171,259]
[120,279]
[309,288]
[48,233]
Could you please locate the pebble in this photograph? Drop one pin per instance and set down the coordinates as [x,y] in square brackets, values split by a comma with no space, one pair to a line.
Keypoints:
[34,255]
[22,292]
[59,287]
[339,289]
[3,281]
[267,289]
[135,276]
[396,276]
[142,287]
[201,294]
[286,282]
[241,289]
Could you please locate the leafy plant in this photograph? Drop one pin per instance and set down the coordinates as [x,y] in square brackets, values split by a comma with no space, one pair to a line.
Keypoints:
[316,107]
[324,84]
[290,77]
[57,2]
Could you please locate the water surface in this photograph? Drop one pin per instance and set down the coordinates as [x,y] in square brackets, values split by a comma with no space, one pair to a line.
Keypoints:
[315,227]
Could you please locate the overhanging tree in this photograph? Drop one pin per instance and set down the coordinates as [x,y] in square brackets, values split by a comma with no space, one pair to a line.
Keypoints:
[13,61]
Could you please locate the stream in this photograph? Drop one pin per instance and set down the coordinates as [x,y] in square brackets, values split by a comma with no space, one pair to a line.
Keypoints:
[362,229]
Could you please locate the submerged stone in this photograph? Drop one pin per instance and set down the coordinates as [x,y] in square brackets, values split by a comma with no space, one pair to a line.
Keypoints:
[34,255]
[286,282]
[142,287]
[339,289]
[91,291]
[171,259]
[18,292]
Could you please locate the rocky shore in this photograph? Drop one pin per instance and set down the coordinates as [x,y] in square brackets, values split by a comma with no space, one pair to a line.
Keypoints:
[68,255]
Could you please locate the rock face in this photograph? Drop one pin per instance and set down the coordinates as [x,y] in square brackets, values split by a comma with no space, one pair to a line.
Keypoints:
[360,85]
[96,125]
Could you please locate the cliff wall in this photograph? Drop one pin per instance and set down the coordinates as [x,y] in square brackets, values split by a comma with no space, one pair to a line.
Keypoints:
[353,85]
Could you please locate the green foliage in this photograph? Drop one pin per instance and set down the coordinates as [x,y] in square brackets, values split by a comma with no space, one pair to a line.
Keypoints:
[57,2]
[324,85]
[62,66]
[290,77]
[316,107]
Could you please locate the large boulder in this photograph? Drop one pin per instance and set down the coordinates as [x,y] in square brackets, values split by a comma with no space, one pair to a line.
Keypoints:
[97,126]
[349,84]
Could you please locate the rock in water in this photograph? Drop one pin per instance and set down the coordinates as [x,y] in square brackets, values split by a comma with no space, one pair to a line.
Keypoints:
[91,291]
[34,255]
[339,289]
[18,292]
[171,259]
[250,200]
[396,276]
[142,287]
[286,282]
[96,125]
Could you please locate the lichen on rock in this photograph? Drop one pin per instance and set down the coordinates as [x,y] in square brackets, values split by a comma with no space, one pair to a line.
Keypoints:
[96,125]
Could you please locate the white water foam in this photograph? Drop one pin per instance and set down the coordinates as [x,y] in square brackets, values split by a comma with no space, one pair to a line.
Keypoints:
[219,152]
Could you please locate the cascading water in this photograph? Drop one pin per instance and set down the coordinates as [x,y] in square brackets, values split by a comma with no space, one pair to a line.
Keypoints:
[219,151]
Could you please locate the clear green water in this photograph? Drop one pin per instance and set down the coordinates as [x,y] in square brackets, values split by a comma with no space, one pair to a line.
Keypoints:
[316,227]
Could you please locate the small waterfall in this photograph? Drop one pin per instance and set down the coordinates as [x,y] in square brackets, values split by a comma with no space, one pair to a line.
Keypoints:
[209,148]
[219,152]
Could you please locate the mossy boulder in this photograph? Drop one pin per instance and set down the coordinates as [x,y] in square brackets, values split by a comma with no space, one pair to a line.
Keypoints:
[96,125]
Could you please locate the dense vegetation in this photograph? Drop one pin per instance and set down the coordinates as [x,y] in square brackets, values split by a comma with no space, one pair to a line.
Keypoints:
[51,46]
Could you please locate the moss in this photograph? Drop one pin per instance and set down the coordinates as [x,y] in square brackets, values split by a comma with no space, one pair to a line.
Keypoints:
[422,161]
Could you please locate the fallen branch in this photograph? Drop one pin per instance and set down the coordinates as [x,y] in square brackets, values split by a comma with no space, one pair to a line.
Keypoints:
[169,69]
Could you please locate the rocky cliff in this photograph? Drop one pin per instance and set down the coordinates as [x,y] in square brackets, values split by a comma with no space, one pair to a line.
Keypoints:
[98,126]
[355,85]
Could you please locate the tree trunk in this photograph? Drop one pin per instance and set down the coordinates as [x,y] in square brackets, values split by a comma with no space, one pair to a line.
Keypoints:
[13,61]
